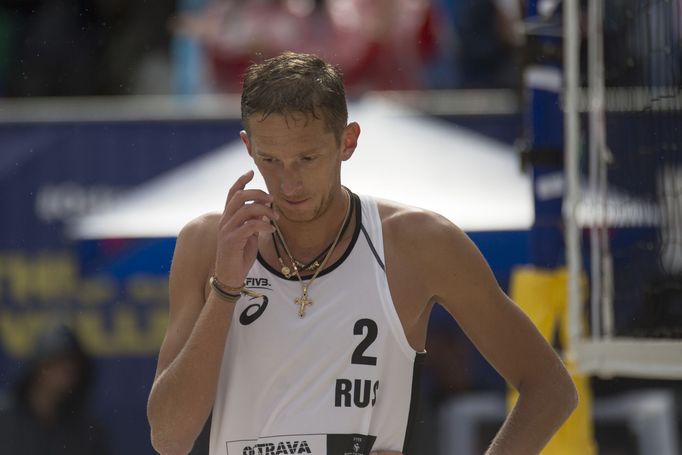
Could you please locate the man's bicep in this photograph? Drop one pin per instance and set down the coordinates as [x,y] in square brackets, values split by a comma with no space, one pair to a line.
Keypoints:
[498,328]
[186,298]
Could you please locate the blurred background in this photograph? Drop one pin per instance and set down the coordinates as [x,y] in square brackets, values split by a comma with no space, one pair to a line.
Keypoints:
[119,123]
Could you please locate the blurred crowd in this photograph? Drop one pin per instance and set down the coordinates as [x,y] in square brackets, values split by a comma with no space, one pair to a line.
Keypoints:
[47,408]
[82,47]
[118,47]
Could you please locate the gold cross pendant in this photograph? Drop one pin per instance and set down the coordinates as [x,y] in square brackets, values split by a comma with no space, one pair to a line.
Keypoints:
[302,302]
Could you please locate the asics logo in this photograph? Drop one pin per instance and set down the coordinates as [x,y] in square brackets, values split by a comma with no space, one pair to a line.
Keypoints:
[253,311]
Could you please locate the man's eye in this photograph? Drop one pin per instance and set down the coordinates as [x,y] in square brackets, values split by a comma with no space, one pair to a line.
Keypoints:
[309,158]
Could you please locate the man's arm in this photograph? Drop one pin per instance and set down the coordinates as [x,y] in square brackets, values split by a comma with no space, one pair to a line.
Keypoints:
[464,284]
[188,365]
[184,388]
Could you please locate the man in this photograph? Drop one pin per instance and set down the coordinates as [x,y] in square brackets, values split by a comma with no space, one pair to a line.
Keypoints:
[298,316]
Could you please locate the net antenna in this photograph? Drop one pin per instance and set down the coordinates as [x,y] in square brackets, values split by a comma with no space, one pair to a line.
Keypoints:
[623,198]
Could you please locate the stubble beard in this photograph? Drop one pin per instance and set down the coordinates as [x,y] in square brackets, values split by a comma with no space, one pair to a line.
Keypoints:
[316,212]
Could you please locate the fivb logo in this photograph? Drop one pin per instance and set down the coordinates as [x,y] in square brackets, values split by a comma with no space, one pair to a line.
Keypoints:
[282,448]
[257,283]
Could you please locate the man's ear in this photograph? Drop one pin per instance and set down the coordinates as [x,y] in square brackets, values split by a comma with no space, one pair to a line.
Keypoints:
[349,140]
[244,136]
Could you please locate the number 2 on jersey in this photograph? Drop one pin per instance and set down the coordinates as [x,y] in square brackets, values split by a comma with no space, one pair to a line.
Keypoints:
[359,357]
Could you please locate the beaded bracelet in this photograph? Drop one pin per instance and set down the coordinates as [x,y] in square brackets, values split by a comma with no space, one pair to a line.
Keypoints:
[224,293]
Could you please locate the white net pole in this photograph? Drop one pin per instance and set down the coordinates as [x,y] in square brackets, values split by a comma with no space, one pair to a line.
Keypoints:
[601,277]
[596,132]
[571,155]
[605,158]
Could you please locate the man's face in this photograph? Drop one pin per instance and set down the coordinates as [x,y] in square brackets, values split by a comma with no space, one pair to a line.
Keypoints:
[300,160]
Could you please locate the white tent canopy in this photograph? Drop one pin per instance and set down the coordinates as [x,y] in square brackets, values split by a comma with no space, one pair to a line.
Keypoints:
[470,179]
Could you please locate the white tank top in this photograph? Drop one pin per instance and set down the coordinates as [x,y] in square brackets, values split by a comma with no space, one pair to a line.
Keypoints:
[342,380]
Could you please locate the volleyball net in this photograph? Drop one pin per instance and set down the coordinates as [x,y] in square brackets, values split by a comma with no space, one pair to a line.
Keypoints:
[623,199]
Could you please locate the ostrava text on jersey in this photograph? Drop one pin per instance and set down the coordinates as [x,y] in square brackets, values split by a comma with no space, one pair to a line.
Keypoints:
[340,381]
[346,444]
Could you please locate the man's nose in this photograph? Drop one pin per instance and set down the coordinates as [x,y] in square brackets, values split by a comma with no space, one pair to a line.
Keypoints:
[291,181]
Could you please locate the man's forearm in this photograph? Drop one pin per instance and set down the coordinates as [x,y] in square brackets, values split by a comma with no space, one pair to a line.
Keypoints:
[183,394]
[537,415]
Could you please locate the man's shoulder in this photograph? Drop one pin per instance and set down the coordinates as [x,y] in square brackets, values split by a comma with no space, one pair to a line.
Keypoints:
[405,222]
[420,243]
[195,250]
[201,227]
[197,239]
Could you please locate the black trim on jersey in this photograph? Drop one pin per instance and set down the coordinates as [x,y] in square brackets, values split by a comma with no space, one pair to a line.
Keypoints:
[410,445]
[356,234]
[371,247]
[339,444]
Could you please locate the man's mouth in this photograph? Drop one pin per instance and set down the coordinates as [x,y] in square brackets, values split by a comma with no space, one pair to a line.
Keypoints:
[295,201]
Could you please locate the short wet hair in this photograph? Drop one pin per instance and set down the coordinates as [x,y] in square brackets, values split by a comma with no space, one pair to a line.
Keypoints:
[290,83]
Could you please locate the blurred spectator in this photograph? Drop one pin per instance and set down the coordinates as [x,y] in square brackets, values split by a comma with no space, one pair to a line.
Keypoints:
[383,44]
[379,44]
[486,45]
[52,47]
[116,47]
[84,47]
[46,411]
[135,56]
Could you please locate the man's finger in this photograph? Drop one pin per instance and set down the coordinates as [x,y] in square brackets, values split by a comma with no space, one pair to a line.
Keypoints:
[248,197]
[253,227]
[240,184]
[249,211]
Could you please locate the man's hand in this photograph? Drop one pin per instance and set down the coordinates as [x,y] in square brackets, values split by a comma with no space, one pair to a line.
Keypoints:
[246,215]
